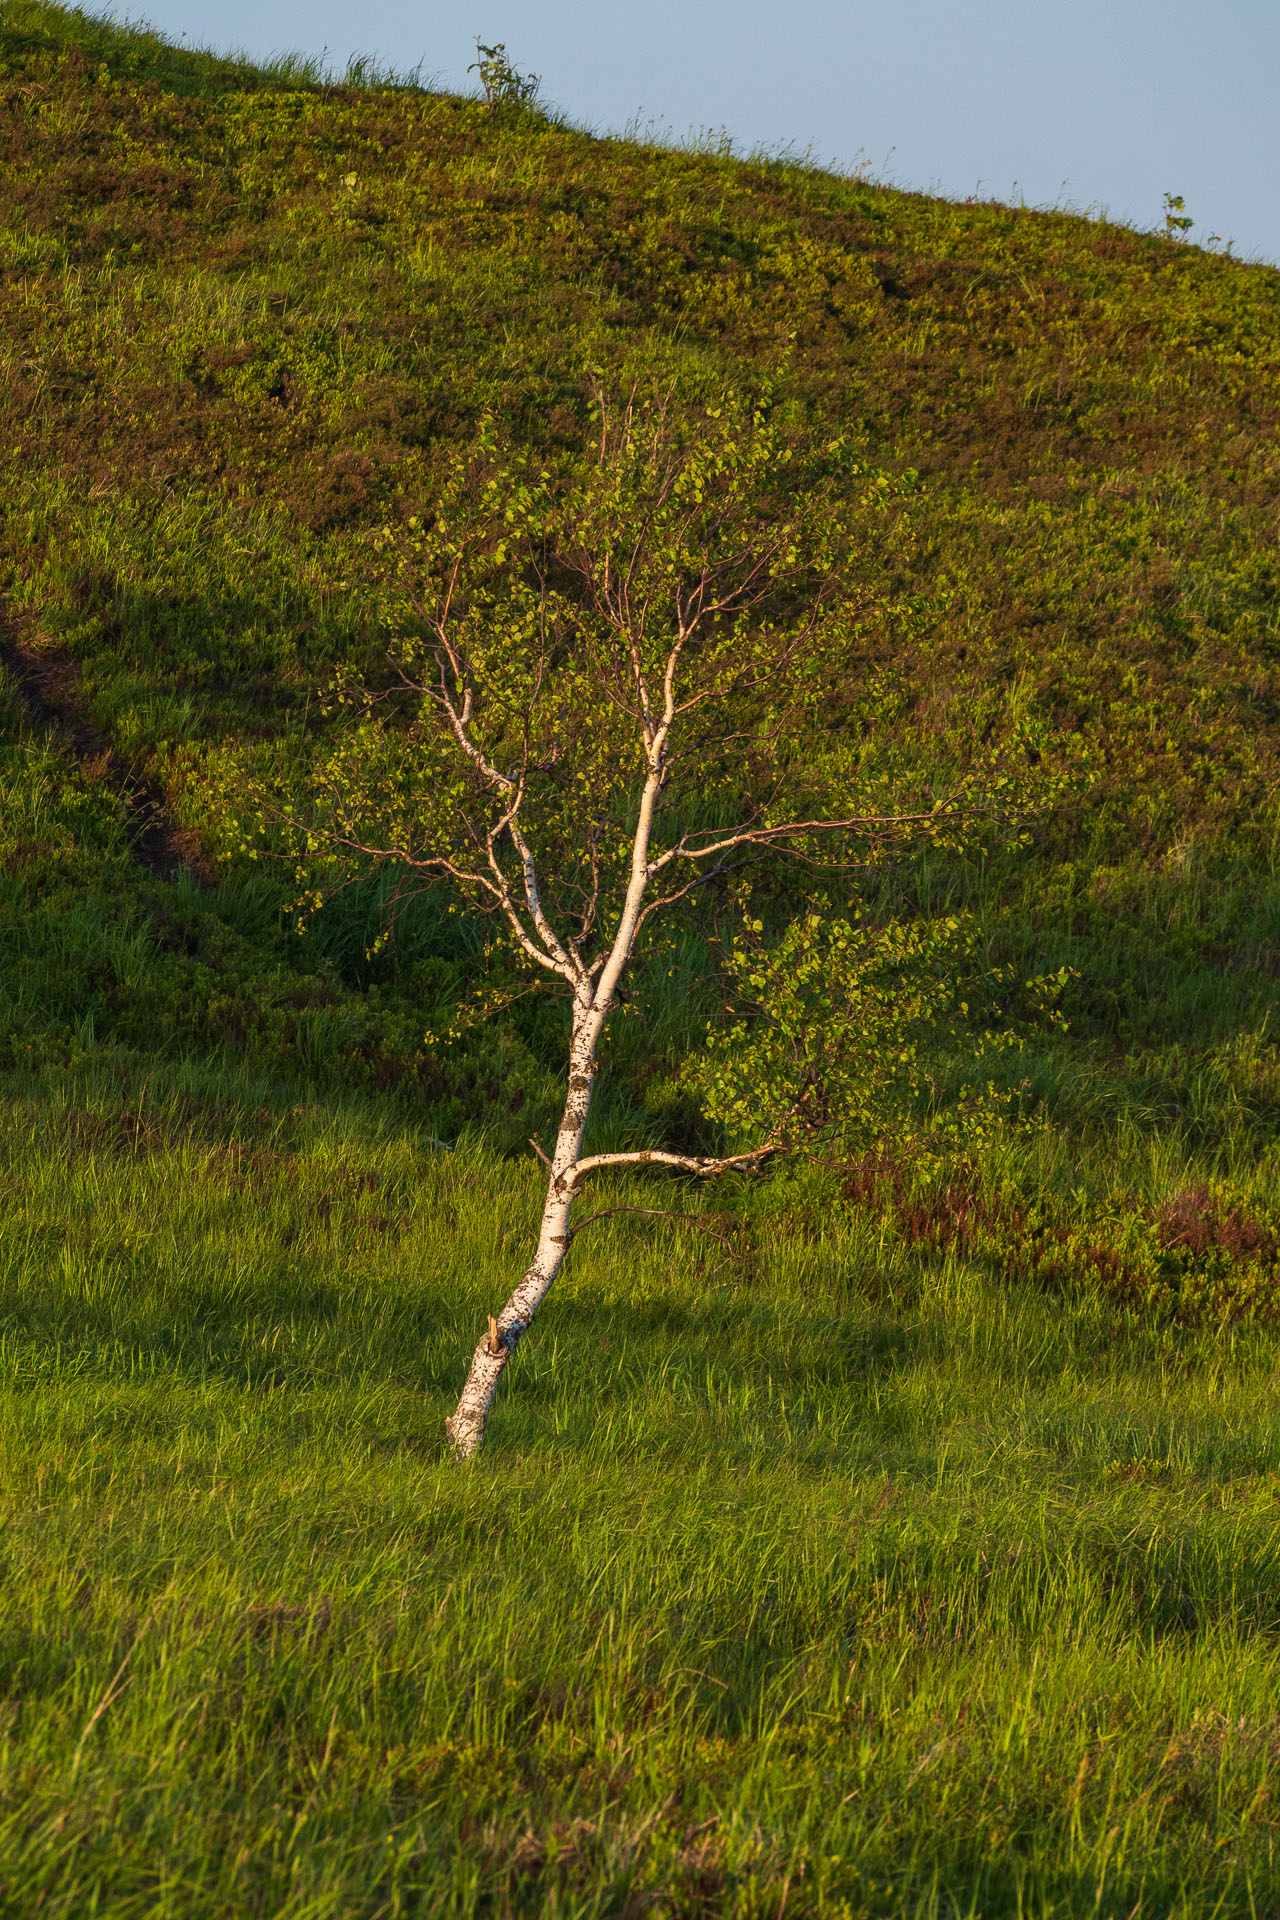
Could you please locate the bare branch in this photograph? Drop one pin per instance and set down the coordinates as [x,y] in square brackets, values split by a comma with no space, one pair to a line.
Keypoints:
[702,1165]
[604,1213]
[493,886]
[459,723]
[587,920]
[567,960]
[553,953]
[770,836]
[670,899]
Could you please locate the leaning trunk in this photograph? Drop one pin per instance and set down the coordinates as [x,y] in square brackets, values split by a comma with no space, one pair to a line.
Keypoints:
[466,1428]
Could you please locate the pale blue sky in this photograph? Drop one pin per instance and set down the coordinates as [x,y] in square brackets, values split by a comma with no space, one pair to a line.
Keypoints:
[1093,103]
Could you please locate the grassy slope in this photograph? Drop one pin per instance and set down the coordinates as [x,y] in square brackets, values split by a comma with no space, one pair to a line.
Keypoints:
[856,1577]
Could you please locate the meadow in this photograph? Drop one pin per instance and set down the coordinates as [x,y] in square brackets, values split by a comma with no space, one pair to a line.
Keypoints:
[851,1544]
[801,1582]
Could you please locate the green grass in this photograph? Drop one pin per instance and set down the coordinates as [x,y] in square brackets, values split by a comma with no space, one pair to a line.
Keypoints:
[876,1547]
[817,1579]
[136,53]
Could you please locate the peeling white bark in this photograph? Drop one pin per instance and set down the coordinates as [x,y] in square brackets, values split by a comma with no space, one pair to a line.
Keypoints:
[593,1000]
[592,1003]
[466,1428]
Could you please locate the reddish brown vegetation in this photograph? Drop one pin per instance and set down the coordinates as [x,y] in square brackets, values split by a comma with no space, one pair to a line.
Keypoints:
[1193,1244]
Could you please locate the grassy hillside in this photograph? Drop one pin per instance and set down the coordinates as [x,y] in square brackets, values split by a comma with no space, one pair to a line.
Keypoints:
[887,1550]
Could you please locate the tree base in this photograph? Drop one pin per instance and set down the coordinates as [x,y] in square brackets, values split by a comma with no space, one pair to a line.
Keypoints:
[465,1428]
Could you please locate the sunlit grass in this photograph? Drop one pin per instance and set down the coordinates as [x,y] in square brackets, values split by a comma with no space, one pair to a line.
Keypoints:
[809,1570]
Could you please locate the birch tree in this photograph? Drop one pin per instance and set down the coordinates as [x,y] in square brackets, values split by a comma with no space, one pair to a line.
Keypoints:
[607,690]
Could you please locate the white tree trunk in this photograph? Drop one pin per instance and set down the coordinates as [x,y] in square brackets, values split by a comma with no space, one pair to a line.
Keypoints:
[466,1428]
[591,1005]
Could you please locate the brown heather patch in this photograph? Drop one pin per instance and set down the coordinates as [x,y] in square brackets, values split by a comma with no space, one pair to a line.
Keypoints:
[1195,1222]
[676,1866]
[278,1619]
[125,1131]
[956,1212]
[950,1214]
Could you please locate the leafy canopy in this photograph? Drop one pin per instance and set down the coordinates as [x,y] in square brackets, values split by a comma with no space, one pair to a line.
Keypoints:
[689,588]
[846,1035]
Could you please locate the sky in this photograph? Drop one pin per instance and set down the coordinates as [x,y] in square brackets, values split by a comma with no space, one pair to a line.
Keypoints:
[1094,104]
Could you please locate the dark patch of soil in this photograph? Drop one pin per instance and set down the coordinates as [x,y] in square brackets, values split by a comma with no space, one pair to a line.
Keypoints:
[48,679]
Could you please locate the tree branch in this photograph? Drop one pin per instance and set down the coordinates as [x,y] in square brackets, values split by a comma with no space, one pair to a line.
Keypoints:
[768,836]
[701,879]
[702,1165]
